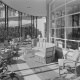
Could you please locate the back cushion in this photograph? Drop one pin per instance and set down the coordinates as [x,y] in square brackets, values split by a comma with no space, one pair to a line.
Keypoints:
[76,54]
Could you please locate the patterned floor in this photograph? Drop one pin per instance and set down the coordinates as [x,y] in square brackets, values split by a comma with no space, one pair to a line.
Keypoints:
[28,69]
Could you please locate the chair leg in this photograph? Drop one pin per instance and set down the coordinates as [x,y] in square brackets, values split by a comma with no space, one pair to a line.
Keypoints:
[60,68]
[59,72]
[75,73]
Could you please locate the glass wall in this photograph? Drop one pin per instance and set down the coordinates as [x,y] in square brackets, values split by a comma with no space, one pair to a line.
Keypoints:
[65,23]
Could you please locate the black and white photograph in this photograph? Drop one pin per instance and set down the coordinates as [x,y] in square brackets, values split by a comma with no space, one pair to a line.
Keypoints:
[39,39]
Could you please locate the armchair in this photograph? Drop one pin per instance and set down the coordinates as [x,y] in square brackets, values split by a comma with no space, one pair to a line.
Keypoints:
[69,64]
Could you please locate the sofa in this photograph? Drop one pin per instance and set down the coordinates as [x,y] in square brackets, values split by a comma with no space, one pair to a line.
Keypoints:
[45,52]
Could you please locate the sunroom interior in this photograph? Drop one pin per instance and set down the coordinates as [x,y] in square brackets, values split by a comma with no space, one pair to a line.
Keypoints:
[65,23]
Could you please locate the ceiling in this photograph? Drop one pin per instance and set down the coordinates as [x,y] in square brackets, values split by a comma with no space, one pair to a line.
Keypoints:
[30,7]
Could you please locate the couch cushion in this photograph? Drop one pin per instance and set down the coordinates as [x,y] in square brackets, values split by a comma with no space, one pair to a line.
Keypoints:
[40,53]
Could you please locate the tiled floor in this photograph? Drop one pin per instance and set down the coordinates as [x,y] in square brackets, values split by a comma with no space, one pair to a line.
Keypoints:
[22,68]
[25,68]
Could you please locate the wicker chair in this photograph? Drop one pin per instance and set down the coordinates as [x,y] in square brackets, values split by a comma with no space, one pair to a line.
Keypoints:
[69,63]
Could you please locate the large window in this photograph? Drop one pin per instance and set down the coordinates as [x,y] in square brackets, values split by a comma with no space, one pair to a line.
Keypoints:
[60,33]
[60,22]
[65,22]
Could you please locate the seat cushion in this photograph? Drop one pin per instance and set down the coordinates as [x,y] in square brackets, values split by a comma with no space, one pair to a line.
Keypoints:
[40,53]
[69,63]
[76,54]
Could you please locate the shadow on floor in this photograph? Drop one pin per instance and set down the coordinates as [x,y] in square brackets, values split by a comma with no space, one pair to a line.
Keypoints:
[19,77]
[18,61]
[40,69]
[61,79]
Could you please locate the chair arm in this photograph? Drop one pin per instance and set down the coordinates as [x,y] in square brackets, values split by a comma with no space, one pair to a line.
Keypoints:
[65,56]
[68,61]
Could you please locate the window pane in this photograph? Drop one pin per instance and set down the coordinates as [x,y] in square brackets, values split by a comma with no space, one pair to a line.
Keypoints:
[60,22]
[73,7]
[52,33]
[60,33]
[60,11]
[53,24]
[68,21]
[73,33]
[73,20]
[59,3]
[52,15]
[72,45]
